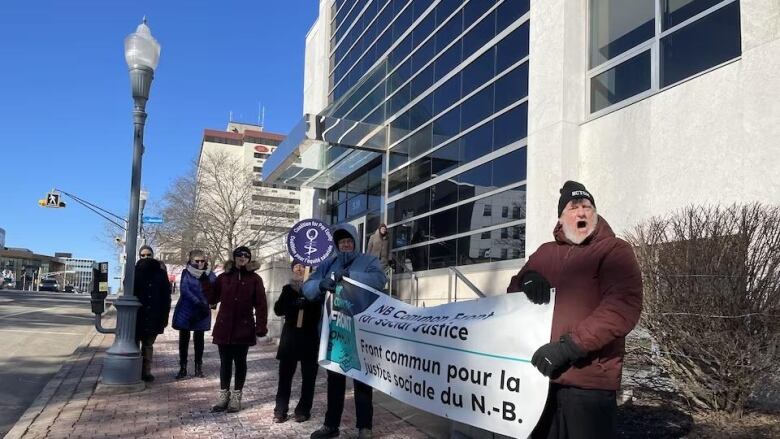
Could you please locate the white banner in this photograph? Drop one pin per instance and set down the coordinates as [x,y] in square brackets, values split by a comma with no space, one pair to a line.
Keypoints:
[468,361]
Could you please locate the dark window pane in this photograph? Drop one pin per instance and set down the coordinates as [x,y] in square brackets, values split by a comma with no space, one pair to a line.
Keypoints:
[420,112]
[449,31]
[511,126]
[508,12]
[402,23]
[477,107]
[477,143]
[509,168]
[399,100]
[620,82]
[357,205]
[425,27]
[512,48]
[472,250]
[444,194]
[705,43]
[446,94]
[618,25]
[422,81]
[445,159]
[399,127]
[479,71]
[675,12]
[512,87]
[446,126]
[443,254]
[400,52]
[419,171]
[401,75]
[423,55]
[479,35]
[466,216]
[447,61]
[474,181]
[397,181]
[420,141]
[418,256]
[444,224]
[398,158]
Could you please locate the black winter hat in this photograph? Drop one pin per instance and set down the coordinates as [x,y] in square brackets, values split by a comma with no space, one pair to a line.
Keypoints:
[573,190]
[242,249]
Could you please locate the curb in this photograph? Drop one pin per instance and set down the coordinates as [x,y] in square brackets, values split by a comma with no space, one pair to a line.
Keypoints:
[41,402]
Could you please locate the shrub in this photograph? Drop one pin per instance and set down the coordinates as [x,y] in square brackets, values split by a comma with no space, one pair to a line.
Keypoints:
[712,299]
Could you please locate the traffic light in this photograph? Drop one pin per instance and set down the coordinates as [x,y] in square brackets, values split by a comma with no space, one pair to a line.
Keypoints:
[52,199]
[42,203]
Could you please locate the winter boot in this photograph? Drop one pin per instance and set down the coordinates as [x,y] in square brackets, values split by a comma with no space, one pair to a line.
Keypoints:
[182,372]
[235,402]
[198,370]
[222,401]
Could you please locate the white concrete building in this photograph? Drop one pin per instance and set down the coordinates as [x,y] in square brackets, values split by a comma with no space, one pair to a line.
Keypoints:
[81,278]
[434,116]
[276,206]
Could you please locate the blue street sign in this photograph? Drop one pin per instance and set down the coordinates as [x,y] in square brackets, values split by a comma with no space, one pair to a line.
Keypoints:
[152,219]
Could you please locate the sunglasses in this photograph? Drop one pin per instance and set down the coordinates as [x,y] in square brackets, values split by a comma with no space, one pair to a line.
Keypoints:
[146,255]
[199,261]
[242,255]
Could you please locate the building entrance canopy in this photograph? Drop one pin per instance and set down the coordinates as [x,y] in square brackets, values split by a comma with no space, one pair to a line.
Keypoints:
[341,146]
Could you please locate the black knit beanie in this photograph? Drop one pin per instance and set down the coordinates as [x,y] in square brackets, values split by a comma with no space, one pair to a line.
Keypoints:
[242,249]
[573,190]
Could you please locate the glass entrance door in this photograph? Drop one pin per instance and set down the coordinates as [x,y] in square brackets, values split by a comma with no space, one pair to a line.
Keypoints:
[360,225]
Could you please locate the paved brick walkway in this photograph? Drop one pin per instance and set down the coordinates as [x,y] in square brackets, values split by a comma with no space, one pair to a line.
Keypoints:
[69,407]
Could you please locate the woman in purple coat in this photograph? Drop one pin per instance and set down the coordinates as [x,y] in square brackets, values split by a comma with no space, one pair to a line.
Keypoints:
[192,311]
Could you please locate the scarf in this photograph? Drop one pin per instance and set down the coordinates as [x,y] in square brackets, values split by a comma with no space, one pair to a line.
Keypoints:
[296,284]
[197,273]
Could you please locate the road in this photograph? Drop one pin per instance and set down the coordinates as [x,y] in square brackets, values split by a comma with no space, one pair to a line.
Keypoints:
[38,332]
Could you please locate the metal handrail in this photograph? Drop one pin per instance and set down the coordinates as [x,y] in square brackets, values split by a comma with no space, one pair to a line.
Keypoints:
[459,275]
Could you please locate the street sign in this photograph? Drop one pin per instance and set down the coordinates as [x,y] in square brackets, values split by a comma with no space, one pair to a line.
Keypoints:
[152,219]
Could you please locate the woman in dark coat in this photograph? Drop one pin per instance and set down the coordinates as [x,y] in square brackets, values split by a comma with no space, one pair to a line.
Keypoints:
[239,290]
[299,342]
[153,290]
[192,311]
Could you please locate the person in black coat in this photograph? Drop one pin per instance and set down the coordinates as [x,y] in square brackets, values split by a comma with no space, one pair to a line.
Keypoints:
[299,342]
[154,292]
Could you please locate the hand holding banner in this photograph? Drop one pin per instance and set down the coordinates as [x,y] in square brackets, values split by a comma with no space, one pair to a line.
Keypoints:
[467,361]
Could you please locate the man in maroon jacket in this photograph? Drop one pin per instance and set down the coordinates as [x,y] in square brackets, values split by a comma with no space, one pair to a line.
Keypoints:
[598,299]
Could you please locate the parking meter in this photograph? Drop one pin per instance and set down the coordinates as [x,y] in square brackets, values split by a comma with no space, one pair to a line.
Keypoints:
[99,287]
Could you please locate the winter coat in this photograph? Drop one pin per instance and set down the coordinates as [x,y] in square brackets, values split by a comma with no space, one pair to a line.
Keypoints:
[153,290]
[298,343]
[363,268]
[379,246]
[192,312]
[598,299]
[238,291]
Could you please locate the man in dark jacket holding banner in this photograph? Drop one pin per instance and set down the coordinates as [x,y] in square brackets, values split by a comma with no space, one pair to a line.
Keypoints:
[366,269]
[598,300]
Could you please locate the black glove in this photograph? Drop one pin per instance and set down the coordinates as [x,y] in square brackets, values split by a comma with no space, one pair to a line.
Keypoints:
[339,274]
[554,358]
[299,302]
[328,284]
[535,287]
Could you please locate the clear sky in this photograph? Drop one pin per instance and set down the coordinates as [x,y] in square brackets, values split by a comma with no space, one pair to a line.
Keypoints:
[66,107]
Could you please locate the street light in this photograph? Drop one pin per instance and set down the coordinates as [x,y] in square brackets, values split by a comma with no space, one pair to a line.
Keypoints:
[122,364]
[144,195]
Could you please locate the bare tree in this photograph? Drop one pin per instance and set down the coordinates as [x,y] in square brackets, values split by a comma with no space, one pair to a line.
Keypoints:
[180,231]
[229,212]
[712,299]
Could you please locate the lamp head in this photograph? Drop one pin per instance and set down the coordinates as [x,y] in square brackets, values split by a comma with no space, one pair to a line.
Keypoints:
[141,49]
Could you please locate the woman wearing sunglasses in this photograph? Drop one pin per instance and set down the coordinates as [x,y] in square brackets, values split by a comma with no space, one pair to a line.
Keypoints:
[238,290]
[192,311]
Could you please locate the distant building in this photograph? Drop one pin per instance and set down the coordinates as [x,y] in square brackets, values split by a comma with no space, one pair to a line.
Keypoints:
[2,238]
[81,278]
[25,268]
[276,206]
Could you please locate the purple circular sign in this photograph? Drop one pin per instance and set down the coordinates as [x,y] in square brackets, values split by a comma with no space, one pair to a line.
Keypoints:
[310,242]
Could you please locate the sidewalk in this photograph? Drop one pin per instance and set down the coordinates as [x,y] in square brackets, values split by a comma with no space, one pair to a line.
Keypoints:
[70,407]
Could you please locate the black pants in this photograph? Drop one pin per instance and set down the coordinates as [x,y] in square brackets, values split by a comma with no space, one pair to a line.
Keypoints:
[573,413]
[184,346]
[228,355]
[364,407]
[287,368]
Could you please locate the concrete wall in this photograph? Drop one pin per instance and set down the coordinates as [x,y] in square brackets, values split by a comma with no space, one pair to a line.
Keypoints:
[713,138]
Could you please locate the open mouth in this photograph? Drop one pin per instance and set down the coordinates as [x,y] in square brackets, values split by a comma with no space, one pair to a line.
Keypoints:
[582,224]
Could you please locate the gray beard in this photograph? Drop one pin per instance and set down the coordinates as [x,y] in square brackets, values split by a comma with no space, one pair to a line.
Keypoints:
[570,234]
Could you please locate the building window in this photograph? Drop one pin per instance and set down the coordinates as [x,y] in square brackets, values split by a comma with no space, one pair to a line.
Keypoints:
[485,235]
[504,211]
[487,210]
[678,39]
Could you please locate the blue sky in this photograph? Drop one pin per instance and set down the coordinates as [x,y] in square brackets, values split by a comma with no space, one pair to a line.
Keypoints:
[66,108]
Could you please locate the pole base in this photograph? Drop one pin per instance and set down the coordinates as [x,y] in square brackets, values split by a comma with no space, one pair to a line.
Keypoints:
[121,369]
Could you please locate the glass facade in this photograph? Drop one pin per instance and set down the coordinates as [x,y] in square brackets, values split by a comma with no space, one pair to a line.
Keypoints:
[677,39]
[449,81]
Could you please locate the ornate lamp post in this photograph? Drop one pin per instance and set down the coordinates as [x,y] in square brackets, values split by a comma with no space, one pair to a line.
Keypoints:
[122,364]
